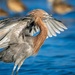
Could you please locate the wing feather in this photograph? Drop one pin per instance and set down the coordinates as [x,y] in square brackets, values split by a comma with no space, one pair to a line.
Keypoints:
[51,29]
[7,28]
[49,32]
[54,26]
[60,24]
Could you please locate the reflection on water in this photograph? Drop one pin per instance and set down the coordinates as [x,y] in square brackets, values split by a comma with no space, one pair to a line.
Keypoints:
[56,56]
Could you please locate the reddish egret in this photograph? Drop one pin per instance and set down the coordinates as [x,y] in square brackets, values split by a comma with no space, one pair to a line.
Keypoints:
[16,36]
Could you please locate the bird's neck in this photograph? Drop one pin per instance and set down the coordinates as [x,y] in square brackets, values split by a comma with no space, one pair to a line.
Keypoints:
[39,39]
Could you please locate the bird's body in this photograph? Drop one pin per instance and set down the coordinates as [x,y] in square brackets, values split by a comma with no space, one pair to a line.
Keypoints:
[60,7]
[19,48]
[16,5]
[16,35]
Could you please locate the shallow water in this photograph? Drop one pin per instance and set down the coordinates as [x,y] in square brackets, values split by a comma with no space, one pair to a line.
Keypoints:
[57,55]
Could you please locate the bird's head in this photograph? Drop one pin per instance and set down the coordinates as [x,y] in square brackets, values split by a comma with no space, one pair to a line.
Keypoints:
[38,13]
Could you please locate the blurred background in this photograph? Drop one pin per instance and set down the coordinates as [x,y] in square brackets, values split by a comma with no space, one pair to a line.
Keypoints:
[57,55]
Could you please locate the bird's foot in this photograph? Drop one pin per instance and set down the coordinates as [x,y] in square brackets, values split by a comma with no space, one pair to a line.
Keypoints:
[12,73]
[16,73]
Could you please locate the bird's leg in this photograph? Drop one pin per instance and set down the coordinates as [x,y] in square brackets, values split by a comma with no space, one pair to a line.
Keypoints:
[19,65]
[14,69]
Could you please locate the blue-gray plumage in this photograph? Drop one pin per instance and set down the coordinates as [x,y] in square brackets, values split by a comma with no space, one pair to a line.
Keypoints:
[16,35]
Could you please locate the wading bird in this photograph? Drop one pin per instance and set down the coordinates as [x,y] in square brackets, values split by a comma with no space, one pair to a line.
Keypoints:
[60,7]
[16,35]
[16,5]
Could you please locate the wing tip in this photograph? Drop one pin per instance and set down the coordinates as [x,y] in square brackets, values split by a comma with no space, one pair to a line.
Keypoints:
[65,28]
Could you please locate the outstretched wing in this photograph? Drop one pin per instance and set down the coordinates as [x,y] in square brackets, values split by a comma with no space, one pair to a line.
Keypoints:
[54,26]
[8,26]
[24,26]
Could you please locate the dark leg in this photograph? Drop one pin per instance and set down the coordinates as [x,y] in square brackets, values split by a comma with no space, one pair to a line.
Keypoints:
[14,69]
[19,65]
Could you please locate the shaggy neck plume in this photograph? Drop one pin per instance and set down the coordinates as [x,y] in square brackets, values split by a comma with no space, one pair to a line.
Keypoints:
[39,39]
